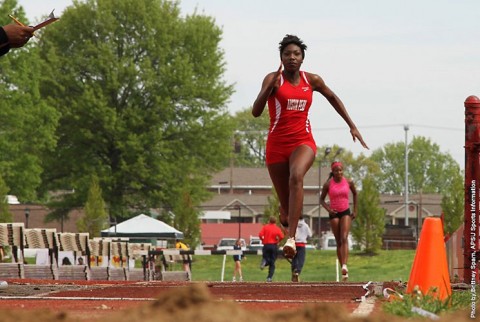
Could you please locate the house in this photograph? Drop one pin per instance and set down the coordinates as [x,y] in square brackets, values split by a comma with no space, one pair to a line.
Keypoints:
[245,192]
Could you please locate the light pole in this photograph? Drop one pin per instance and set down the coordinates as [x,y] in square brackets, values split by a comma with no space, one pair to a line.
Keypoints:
[320,164]
[406,128]
[239,221]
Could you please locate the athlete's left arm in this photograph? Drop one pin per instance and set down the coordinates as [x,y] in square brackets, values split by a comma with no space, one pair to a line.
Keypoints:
[319,85]
[355,199]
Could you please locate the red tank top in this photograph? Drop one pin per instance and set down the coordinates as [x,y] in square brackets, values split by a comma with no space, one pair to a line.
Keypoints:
[289,111]
[338,194]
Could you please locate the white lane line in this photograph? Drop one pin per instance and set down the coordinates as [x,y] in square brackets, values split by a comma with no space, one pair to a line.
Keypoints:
[365,308]
[69,298]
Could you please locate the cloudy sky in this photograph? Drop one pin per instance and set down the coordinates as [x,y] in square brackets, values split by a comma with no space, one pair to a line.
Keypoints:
[393,63]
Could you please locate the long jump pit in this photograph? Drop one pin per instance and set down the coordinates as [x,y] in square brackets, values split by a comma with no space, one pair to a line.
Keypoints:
[46,300]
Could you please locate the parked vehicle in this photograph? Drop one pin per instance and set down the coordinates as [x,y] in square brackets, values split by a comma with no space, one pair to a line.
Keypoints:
[329,242]
[228,243]
[255,243]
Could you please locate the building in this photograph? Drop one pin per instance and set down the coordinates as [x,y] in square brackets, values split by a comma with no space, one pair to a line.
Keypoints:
[245,192]
[240,195]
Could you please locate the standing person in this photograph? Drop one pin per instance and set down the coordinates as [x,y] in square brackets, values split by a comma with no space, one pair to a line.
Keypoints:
[338,189]
[302,234]
[14,36]
[271,235]
[187,262]
[238,262]
[291,149]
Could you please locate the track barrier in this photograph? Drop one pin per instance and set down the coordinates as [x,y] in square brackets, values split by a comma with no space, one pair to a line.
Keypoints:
[430,270]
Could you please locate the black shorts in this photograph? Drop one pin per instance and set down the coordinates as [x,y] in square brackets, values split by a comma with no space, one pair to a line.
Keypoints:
[340,214]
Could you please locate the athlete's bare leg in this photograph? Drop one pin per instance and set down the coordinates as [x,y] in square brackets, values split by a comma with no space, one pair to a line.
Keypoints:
[300,161]
[287,179]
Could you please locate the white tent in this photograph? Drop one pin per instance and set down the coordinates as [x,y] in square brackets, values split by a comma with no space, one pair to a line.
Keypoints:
[143,227]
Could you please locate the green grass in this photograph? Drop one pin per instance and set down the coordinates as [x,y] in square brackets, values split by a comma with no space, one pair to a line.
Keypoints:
[320,265]
[459,300]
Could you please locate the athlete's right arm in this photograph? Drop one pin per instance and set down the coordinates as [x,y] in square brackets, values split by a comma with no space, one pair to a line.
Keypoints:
[269,86]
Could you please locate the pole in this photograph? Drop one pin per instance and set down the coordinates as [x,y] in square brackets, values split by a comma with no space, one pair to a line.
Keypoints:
[406,128]
[239,222]
[320,164]
[27,215]
[472,174]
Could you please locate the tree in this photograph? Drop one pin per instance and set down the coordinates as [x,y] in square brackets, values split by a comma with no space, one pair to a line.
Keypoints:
[96,216]
[142,103]
[369,226]
[5,214]
[453,202]
[187,219]
[27,122]
[429,170]
[250,138]
[273,208]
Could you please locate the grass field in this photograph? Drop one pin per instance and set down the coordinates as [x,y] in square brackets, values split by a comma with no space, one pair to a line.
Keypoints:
[320,266]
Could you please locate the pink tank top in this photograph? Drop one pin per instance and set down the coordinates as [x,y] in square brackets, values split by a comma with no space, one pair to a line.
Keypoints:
[338,193]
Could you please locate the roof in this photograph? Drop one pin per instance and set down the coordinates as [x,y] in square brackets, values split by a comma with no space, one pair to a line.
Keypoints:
[143,226]
[256,177]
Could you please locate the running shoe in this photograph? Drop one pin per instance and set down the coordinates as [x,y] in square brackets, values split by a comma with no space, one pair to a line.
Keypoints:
[269,280]
[289,249]
[295,277]
[263,264]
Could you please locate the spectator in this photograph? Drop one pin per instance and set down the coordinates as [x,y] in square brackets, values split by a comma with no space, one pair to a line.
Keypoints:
[238,262]
[187,262]
[301,237]
[66,261]
[271,235]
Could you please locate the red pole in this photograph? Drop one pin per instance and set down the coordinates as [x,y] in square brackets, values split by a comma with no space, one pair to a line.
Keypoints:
[472,189]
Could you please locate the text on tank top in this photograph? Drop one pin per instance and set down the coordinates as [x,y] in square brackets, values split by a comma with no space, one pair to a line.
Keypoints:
[289,109]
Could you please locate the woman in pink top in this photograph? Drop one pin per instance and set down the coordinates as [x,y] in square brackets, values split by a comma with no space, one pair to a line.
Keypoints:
[338,189]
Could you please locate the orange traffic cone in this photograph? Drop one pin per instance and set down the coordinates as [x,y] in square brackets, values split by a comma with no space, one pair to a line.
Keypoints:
[430,270]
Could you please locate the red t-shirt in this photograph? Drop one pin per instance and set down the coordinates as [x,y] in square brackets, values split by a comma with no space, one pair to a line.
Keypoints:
[270,234]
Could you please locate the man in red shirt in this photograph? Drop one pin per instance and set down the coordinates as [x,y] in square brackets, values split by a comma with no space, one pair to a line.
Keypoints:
[271,235]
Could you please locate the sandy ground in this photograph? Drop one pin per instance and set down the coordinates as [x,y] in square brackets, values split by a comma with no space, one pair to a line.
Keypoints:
[40,300]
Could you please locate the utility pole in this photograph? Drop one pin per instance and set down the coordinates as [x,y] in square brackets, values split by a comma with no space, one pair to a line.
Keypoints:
[406,128]
[320,164]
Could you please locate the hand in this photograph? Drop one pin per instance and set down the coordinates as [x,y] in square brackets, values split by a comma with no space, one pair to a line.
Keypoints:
[276,79]
[18,35]
[354,215]
[356,135]
[332,212]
